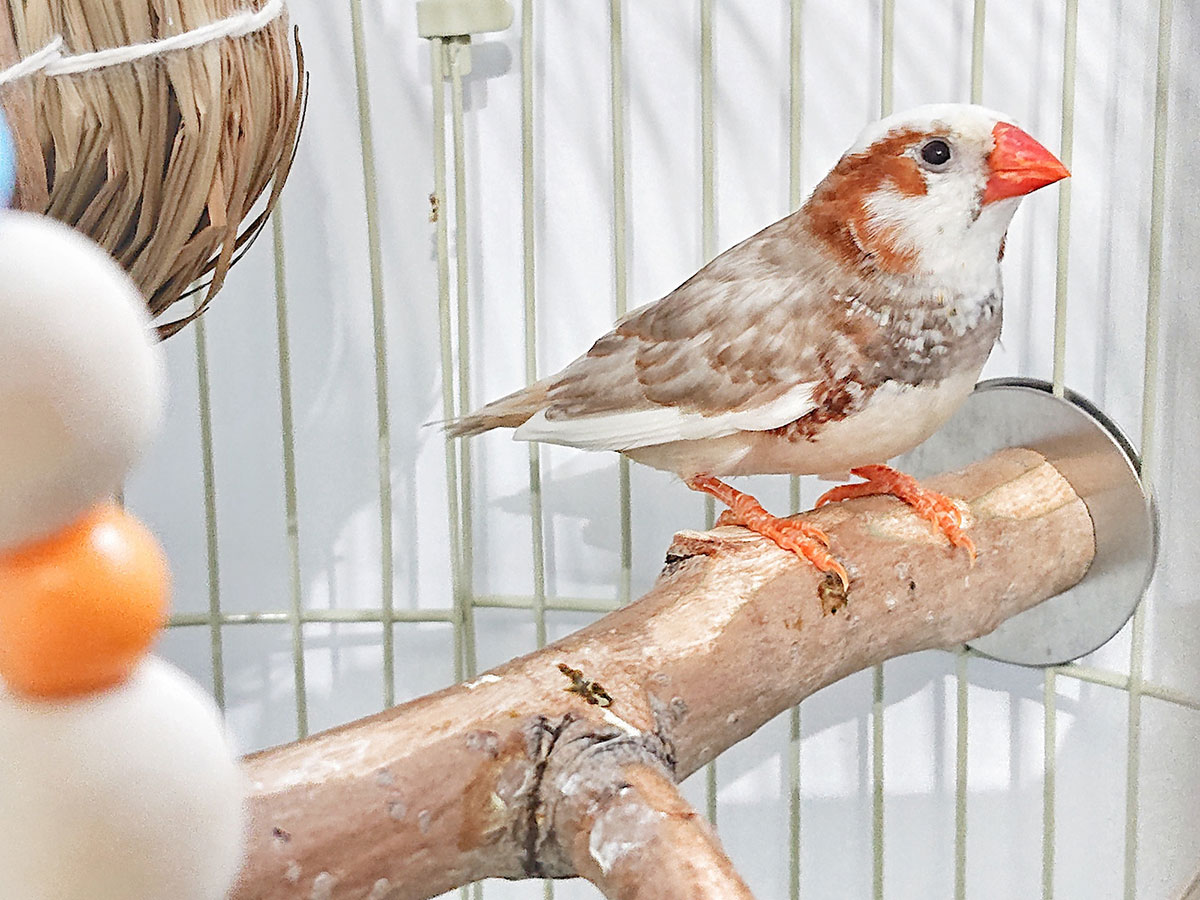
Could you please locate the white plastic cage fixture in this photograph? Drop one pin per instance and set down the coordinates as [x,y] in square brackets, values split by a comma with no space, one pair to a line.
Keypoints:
[593,157]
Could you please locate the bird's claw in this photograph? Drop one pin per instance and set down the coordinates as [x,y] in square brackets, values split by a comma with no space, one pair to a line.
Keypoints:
[726,518]
[800,537]
[930,505]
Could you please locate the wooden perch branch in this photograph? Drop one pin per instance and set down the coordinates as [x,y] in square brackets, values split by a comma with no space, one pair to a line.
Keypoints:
[512,776]
[636,838]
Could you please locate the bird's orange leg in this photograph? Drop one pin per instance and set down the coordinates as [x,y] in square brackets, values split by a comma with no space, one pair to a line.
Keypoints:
[800,537]
[938,509]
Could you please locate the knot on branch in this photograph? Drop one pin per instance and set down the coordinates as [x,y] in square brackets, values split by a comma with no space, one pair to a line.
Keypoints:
[578,771]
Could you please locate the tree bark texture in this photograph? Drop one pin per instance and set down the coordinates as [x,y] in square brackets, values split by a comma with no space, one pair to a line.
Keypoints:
[562,762]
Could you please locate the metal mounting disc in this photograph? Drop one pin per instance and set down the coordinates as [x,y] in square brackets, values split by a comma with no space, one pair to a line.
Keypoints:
[1099,462]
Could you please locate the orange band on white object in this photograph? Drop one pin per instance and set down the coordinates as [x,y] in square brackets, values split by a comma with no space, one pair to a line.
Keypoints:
[80,608]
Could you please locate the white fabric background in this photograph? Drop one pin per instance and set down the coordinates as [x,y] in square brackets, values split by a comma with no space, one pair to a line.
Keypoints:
[329,314]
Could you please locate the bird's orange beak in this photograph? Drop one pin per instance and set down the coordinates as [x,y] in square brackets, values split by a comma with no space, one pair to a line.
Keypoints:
[1019,165]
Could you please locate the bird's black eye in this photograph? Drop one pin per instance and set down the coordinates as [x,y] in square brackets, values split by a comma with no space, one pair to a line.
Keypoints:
[936,152]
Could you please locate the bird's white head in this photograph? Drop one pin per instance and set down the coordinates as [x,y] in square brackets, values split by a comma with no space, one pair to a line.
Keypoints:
[930,192]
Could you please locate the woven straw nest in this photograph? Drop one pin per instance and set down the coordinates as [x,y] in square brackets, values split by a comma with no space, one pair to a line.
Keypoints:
[161,161]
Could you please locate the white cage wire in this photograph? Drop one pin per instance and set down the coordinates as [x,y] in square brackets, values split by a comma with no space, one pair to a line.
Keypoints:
[437,247]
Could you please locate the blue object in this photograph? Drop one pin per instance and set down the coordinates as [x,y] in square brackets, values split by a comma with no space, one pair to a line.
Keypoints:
[8,162]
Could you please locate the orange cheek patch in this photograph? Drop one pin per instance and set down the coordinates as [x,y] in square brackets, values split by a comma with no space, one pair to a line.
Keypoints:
[79,609]
[904,176]
[880,248]
[837,208]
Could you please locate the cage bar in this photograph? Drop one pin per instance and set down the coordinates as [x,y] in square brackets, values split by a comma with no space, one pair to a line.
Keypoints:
[620,267]
[887,45]
[961,733]
[708,249]
[211,544]
[795,197]
[961,674]
[457,52]
[529,284]
[1149,447]
[1049,748]
[1070,29]
[379,326]
[305,616]
[1061,272]
[978,21]
[437,52]
[287,425]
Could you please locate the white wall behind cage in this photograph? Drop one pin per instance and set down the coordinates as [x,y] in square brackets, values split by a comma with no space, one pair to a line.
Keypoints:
[310,590]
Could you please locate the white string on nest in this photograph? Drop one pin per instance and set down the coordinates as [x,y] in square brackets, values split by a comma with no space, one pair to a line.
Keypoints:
[51,60]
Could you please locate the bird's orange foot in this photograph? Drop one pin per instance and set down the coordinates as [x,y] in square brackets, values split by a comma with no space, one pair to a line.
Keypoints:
[930,505]
[800,537]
